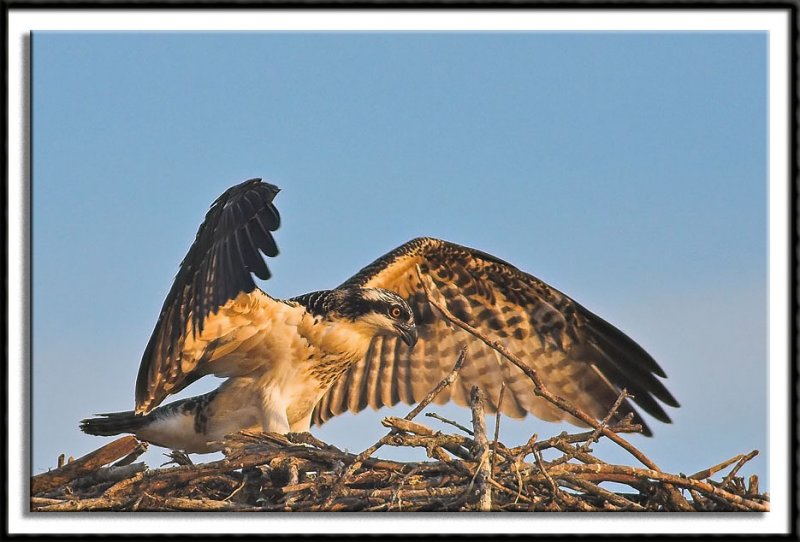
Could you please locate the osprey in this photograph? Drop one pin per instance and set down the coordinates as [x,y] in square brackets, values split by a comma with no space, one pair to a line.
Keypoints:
[374,341]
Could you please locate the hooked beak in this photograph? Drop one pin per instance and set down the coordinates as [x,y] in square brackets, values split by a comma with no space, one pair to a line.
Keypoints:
[408,333]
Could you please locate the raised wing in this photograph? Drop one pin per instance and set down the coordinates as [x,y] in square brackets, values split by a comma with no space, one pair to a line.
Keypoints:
[214,272]
[577,354]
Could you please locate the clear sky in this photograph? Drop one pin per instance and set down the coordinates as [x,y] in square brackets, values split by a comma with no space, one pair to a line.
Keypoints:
[627,170]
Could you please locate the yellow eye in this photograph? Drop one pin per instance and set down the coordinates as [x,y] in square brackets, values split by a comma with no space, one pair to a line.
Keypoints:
[395,311]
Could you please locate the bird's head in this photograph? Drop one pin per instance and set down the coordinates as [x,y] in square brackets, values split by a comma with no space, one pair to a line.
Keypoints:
[375,311]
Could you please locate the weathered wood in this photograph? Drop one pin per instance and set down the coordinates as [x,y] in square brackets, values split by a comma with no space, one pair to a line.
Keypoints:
[484,470]
[84,465]
[277,475]
[108,474]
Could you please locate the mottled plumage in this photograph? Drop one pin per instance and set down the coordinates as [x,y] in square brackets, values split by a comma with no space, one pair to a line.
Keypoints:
[216,269]
[373,341]
[577,354]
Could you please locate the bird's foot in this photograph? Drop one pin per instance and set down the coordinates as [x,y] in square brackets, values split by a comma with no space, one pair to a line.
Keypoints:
[178,457]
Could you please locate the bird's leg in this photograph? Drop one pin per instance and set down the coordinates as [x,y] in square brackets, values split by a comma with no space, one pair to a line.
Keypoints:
[273,417]
[303,425]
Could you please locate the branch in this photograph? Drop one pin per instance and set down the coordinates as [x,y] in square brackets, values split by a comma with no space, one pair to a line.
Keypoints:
[411,415]
[483,472]
[84,465]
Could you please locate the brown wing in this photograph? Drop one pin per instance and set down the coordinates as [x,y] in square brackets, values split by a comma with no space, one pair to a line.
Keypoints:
[214,272]
[578,355]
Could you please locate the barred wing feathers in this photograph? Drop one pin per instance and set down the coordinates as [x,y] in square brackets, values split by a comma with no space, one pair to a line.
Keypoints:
[578,355]
[214,275]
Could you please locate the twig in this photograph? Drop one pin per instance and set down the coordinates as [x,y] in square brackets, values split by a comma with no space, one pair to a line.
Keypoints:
[571,452]
[238,489]
[752,485]
[508,490]
[483,471]
[710,471]
[541,390]
[451,422]
[497,424]
[305,475]
[178,457]
[650,474]
[84,465]
[446,381]
[540,463]
[595,490]
[742,461]
[432,440]
[604,423]
[108,474]
[133,456]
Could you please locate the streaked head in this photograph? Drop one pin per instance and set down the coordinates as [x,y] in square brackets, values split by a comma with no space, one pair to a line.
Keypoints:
[378,312]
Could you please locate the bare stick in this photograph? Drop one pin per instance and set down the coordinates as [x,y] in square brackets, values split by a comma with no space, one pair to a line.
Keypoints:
[537,455]
[133,456]
[710,471]
[246,477]
[595,490]
[446,381]
[742,461]
[452,443]
[541,390]
[84,465]
[108,474]
[508,490]
[497,424]
[483,472]
[570,452]
[451,422]
[650,474]
[604,423]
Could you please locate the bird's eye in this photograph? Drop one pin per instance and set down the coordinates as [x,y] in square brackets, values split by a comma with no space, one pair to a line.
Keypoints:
[395,311]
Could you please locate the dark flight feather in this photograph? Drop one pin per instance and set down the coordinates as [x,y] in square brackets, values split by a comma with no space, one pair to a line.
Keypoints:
[577,354]
[216,269]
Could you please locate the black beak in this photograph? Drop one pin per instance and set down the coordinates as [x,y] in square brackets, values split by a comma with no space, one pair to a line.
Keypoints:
[407,332]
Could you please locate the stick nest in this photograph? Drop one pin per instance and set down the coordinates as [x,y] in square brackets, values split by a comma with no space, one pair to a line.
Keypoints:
[466,472]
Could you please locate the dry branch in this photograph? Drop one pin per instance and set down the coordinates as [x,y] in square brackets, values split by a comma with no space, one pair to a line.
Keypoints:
[541,390]
[296,472]
[85,465]
[484,470]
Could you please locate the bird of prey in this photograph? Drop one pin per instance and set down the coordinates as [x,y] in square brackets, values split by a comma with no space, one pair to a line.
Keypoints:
[376,340]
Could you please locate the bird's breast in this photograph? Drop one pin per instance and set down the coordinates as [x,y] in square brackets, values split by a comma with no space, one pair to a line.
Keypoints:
[330,349]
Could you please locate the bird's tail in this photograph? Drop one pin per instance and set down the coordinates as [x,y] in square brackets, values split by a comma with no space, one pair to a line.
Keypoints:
[180,425]
[114,423]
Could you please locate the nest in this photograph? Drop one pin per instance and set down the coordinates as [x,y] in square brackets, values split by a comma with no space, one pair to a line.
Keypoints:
[467,470]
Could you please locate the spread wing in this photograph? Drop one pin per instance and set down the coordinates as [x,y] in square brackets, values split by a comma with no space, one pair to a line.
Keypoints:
[577,354]
[215,271]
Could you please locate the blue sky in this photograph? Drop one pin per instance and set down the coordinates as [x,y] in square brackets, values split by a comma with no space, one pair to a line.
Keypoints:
[627,170]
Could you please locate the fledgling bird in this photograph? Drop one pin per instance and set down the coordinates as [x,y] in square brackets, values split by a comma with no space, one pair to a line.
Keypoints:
[296,362]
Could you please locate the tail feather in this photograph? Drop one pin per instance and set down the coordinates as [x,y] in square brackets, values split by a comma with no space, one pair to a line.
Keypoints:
[180,425]
[114,423]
